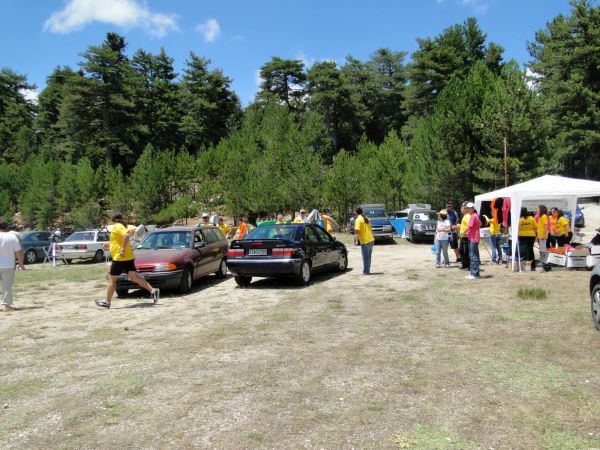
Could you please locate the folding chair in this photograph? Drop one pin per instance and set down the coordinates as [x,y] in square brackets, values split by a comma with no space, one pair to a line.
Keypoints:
[52,253]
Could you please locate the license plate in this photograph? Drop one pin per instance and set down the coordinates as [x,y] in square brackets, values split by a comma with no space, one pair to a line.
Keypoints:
[257,252]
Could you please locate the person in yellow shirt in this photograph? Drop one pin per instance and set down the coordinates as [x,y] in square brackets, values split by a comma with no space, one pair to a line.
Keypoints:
[302,218]
[542,227]
[363,236]
[221,226]
[495,238]
[123,262]
[563,229]
[527,234]
[280,220]
[465,261]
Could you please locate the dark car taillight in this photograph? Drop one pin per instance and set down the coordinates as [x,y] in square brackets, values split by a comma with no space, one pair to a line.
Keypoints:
[285,252]
[235,252]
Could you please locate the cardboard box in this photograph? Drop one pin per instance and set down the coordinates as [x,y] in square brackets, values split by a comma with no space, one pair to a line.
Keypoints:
[557,259]
[592,260]
[576,261]
[595,249]
[579,252]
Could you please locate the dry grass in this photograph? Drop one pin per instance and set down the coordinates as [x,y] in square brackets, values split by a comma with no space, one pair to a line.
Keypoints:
[412,358]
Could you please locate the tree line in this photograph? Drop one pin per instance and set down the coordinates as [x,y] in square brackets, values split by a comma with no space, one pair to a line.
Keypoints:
[128,133]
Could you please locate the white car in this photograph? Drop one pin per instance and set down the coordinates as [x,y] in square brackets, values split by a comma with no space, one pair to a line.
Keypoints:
[92,244]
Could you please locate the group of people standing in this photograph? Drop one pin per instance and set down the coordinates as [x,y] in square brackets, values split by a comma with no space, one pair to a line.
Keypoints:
[462,234]
[549,229]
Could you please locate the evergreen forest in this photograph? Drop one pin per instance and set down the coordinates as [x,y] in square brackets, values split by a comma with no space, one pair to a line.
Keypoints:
[123,131]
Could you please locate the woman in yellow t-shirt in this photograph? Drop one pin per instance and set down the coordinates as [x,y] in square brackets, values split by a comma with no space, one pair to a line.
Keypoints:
[542,227]
[563,229]
[527,233]
[495,238]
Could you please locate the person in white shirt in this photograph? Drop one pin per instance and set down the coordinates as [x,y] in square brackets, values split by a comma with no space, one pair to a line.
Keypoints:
[10,248]
[442,235]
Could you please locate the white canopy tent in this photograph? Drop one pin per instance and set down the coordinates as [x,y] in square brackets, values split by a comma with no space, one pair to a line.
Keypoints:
[545,189]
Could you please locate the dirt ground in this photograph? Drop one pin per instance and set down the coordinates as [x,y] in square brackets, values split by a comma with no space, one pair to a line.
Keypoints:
[409,357]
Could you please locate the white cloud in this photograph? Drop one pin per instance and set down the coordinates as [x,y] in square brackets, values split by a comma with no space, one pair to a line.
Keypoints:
[210,30]
[479,6]
[31,95]
[123,13]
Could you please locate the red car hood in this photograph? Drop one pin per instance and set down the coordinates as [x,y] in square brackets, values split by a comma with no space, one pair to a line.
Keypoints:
[175,256]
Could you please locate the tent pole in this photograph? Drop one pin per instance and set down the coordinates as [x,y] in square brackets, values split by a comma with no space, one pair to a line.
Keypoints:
[505,162]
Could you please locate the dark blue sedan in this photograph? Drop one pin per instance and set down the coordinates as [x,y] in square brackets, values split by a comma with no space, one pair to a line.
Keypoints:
[294,250]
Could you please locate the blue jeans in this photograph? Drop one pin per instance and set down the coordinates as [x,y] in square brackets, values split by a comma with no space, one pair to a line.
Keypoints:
[441,246]
[367,251]
[474,257]
[496,250]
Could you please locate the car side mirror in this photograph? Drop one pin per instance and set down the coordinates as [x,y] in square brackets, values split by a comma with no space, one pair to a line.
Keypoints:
[199,244]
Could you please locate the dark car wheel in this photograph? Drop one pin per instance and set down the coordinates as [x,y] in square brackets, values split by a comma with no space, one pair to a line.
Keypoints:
[342,263]
[186,281]
[222,272]
[30,256]
[98,256]
[303,277]
[242,280]
[596,306]
[122,292]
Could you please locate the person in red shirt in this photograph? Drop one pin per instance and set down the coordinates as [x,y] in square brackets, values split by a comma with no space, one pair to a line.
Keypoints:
[472,234]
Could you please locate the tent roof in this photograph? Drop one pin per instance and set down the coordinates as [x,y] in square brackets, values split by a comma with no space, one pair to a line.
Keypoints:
[547,186]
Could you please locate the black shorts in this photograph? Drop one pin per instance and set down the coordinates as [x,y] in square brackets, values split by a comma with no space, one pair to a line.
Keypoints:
[119,267]
[454,241]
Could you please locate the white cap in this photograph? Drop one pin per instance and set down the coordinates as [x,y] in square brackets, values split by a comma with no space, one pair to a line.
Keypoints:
[205,215]
[470,205]
[302,210]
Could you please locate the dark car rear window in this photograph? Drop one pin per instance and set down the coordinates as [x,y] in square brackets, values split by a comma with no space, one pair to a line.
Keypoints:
[273,232]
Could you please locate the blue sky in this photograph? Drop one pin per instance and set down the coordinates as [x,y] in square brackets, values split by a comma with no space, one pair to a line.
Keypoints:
[239,36]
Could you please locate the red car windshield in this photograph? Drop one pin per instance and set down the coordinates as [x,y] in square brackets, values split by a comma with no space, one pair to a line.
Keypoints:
[166,239]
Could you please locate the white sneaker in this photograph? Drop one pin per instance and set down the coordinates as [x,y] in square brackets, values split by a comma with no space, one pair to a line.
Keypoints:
[155,295]
[471,277]
[437,266]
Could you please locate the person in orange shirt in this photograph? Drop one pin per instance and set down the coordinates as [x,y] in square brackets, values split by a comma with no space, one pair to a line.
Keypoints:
[553,235]
[242,229]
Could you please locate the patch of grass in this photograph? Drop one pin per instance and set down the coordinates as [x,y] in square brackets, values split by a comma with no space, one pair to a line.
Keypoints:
[524,316]
[127,385]
[70,274]
[377,404]
[426,438]
[22,388]
[536,293]
[335,305]
[568,440]
[302,336]
[254,437]
[216,334]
